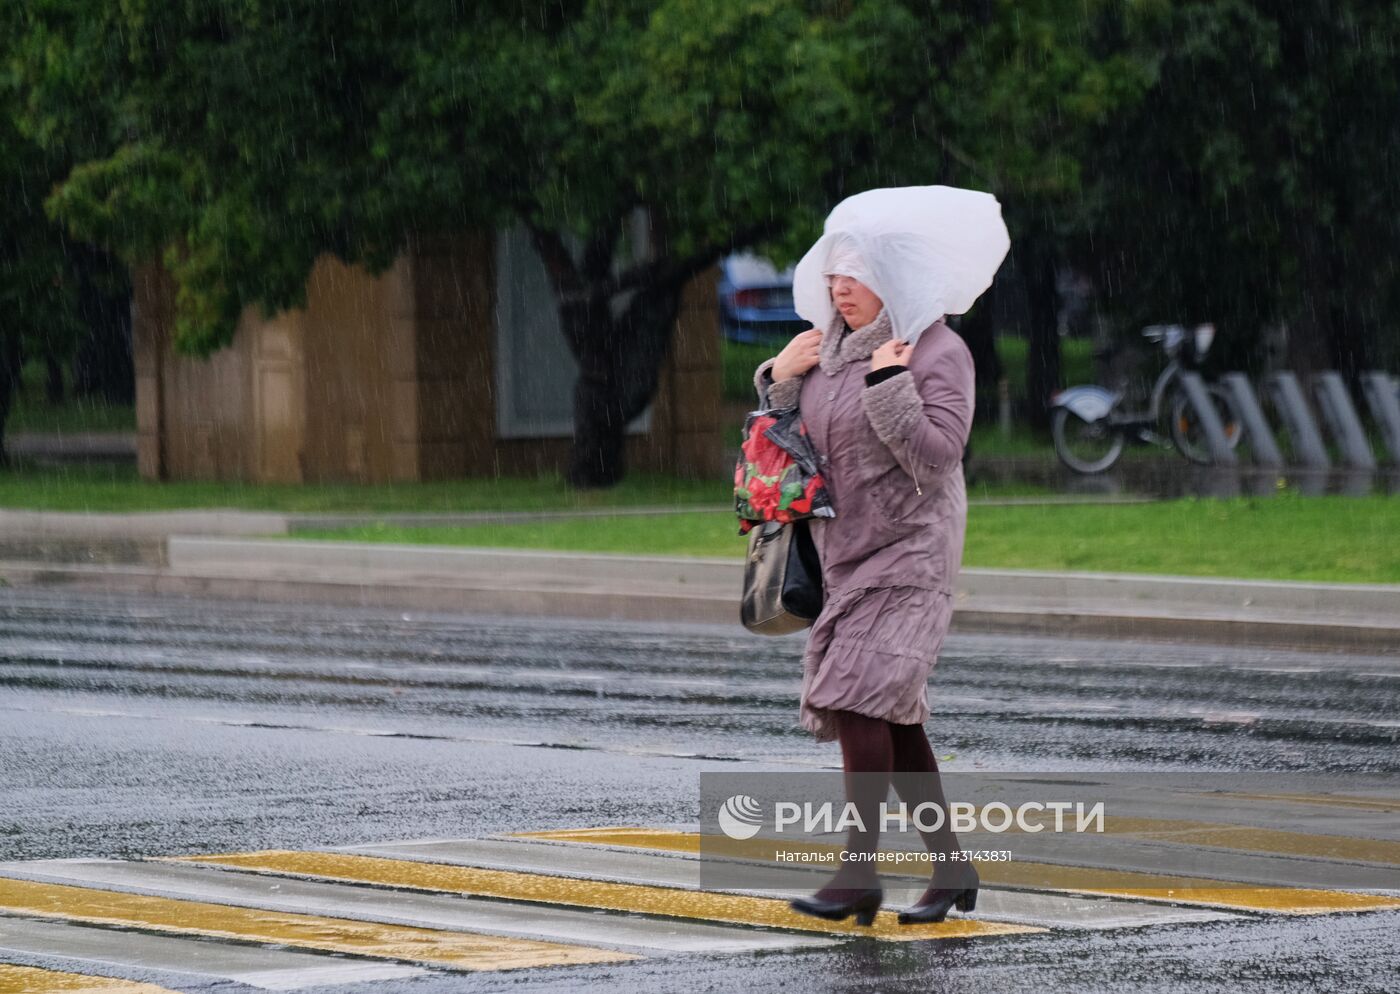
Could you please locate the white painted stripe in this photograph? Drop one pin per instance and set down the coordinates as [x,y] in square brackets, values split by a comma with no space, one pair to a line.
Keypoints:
[214,885]
[270,969]
[682,870]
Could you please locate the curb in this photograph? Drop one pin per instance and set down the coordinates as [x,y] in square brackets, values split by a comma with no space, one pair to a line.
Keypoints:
[1331,617]
[723,577]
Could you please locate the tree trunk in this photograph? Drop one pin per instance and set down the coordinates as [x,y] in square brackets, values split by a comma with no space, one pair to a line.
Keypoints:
[589,329]
[11,362]
[102,363]
[1348,336]
[619,359]
[619,350]
[1319,336]
[1043,347]
[978,330]
[53,380]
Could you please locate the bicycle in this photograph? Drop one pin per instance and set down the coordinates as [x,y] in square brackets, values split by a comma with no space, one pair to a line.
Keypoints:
[1090,429]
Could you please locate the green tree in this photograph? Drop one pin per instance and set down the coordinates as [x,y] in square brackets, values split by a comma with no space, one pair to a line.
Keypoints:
[39,307]
[1222,160]
[237,141]
[1208,160]
[1251,186]
[1028,88]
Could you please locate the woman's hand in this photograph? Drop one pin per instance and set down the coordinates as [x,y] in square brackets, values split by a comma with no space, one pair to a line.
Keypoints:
[800,355]
[895,352]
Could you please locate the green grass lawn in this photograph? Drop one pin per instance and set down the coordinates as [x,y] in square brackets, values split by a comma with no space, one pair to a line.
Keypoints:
[75,416]
[118,488]
[30,411]
[33,413]
[1076,364]
[1285,537]
[739,361]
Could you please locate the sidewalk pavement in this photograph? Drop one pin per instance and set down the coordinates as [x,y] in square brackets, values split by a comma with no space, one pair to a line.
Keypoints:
[1333,617]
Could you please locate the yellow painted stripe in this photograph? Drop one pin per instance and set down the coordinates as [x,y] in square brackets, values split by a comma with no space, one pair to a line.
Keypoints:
[671,902]
[1250,838]
[1217,835]
[459,950]
[29,980]
[1041,876]
[1325,800]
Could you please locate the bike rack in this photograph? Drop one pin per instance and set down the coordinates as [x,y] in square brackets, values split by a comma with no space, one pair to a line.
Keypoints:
[1337,413]
[1383,397]
[1220,452]
[1262,447]
[1298,420]
[1340,415]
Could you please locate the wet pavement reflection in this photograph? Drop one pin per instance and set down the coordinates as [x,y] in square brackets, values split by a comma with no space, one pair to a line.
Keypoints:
[135,726]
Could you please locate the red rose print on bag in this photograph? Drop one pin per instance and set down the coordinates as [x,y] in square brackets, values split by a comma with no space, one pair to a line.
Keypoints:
[776,478]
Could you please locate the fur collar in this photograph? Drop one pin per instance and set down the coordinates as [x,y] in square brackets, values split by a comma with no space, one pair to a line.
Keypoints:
[838,348]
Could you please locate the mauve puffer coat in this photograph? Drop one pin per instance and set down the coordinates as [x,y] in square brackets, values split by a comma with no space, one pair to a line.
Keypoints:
[892,456]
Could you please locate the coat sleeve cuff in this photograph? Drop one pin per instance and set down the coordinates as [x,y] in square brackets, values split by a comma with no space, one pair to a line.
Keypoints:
[784,393]
[884,373]
[894,407]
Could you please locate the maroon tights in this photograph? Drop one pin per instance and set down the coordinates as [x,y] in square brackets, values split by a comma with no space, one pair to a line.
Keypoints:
[884,754]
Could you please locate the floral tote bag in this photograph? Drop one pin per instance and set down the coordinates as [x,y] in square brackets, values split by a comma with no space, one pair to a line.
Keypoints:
[776,477]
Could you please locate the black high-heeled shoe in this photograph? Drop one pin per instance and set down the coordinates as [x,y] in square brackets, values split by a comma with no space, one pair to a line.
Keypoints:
[936,909]
[863,904]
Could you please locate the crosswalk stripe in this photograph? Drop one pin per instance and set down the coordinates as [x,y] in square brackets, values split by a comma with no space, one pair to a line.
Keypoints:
[604,895]
[256,966]
[458,950]
[32,980]
[1042,876]
[213,884]
[1323,800]
[1251,838]
[1056,910]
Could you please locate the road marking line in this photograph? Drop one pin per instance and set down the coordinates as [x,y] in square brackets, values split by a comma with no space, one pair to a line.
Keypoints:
[337,899]
[458,950]
[605,895]
[1054,909]
[1325,800]
[1217,835]
[1133,884]
[1252,838]
[256,966]
[31,980]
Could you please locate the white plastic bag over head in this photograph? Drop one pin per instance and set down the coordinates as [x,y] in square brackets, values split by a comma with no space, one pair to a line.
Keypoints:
[925,251]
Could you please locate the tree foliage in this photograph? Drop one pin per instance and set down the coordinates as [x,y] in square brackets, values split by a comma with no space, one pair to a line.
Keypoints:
[1250,186]
[39,304]
[1217,159]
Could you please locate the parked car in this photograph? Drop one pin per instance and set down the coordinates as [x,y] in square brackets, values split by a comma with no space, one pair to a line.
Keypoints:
[755,301]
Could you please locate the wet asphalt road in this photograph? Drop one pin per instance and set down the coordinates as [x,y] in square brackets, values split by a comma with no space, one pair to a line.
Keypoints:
[133,726]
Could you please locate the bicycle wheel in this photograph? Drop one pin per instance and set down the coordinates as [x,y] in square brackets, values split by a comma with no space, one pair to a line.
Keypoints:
[1085,446]
[1187,433]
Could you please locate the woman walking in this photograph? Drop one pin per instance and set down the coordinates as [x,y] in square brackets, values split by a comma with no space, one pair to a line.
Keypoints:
[886,392]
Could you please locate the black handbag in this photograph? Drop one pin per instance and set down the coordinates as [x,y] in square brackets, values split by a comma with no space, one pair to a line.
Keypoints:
[782,579]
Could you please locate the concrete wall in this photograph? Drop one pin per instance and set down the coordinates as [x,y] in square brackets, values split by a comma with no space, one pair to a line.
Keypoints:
[386,378]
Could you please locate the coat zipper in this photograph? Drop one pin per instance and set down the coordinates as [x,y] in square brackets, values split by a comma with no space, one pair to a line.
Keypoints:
[913,470]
